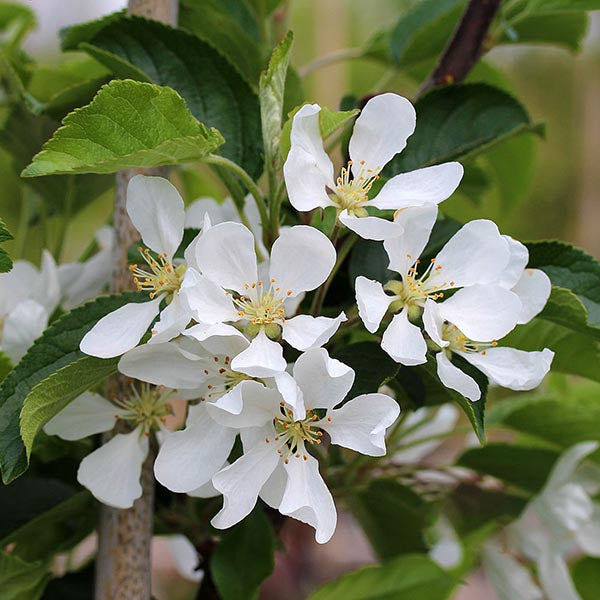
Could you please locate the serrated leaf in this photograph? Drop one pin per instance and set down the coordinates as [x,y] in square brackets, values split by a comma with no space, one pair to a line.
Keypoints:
[5,265]
[457,121]
[214,90]
[575,270]
[409,576]
[244,558]
[20,580]
[393,517]
[271,95]
[56,348]
[373,367]
[128,124]
[499,460]
[52,394]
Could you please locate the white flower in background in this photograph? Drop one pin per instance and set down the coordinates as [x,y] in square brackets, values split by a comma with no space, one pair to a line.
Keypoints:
[278,428]
[230,290]
[468,324]
[28,297]
[380,132]
[185,557]
[562,519]
[200,368]
[112,472]
[82,281]
[156,209]
[476,254]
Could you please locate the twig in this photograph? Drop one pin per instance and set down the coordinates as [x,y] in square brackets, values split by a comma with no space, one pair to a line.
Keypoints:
[466,45]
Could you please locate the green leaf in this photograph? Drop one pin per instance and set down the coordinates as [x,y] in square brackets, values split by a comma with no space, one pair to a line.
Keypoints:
[55,531]
[571,417]
[271,94]
[329,122]
[56,348]
[461,120]
[5,266]
[369,259]
[409,576]
[214,90]
[561,29]
[586,577]
[393,517]
[128,124]
[16,21]
[52,394]
[571,268]
[244,558]
[373,367]
[552,6]
[20,580]
[499,460]
[6,365]
[420,386]
[215,22]
[566,343]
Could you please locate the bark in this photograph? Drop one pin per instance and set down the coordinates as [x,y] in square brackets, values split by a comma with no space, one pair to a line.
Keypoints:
[123,564]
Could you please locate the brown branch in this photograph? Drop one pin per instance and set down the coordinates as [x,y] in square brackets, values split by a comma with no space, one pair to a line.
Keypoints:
[466,45]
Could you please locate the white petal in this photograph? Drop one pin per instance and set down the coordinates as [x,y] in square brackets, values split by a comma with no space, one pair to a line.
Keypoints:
[162,364]
[206,490]
[371,228]
[291,394]
[120,330]
[185,557]
[381,131]
[404,250]
[274,488]
[260,405]
[189,254]
[361,423]
[433,322]
[482,312]
[307,169]
[47,288]
[195,212]
[241,482]
[206,300]
[112,472]
[509,578]
[189,458]
[16,285]
[372,302]
[301,259]
[404,341]
[225,253]
[262,358]
[22,326]
[307,498]
[156,210]
[565,467]
[88,414]
[324,381]
[430,185]
[588,537]
[304,332]
[510,368]
[173,320]
[518,259]
[90,281]
[533,289]
[219,339]
[555,577]
[476,253]
[455,379]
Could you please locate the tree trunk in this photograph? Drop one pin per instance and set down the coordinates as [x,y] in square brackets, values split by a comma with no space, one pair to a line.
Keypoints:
[123,564]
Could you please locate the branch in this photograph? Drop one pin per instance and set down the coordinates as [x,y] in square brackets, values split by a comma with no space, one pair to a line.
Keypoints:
[466,46]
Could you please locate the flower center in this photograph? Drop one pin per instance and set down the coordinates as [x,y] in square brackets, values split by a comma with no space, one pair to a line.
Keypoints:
[223,378]
[414,289]
[459,341]
[147,407]
[162,278]
[263,305]
[353,192]
[291,435]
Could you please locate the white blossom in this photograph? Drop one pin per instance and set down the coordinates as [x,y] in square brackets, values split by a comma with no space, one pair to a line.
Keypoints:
[380,132]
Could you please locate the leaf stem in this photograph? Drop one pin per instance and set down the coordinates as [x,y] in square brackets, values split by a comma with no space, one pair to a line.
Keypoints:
[330,59]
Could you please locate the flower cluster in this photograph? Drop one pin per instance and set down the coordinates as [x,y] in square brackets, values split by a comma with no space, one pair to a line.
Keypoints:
[229,331]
